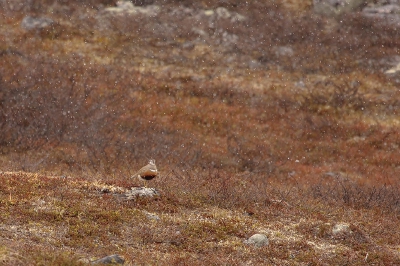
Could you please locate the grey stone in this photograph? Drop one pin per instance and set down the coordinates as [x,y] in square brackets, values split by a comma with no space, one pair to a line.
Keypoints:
[128,8]
[112,259]
[387,14]
[384,14]
[333,8]
[152,216]
[142,2]
[341,228]
[393,70]
[258,240]
[386,9]
[223,13]
[141,192]
[32,23]
[283,51]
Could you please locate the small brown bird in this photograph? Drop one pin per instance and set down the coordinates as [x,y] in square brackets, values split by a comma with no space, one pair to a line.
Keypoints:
[147,172]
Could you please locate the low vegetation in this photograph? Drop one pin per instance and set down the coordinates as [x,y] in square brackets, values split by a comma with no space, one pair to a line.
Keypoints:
[287,129]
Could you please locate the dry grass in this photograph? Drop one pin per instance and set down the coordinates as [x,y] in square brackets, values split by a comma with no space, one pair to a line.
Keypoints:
[267,132]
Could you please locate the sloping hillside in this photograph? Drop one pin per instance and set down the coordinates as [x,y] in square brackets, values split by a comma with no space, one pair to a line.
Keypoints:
[262,118]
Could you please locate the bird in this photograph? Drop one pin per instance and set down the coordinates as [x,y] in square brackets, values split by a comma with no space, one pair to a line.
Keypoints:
[147,172]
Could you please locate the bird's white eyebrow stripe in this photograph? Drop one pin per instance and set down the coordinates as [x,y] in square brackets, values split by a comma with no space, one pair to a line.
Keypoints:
[152,170]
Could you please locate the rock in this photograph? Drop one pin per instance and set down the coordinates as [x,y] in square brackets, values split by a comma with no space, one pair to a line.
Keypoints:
[41,26]
[223,13]
[141,192]
[152,216]
[333,8]
[386,9]
[341,228]
[254,64]
[393,70]
[356,139]
[105,189]
[283,51]
[188,45]
[228,38]
[112,259]
[199,32]
[127,7]
[40,23]
[84,261]
[258,240]
[142,2]
[390,65]
[387,14]
[332,174]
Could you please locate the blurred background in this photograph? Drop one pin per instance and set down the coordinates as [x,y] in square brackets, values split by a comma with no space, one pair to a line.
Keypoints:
[269,88]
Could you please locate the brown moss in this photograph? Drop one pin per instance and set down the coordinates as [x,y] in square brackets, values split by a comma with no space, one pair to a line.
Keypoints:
[247,139]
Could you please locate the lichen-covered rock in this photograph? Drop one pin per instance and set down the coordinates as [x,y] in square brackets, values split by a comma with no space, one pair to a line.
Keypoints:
[258,240]
[128,8]
[141,192]
[112,259]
